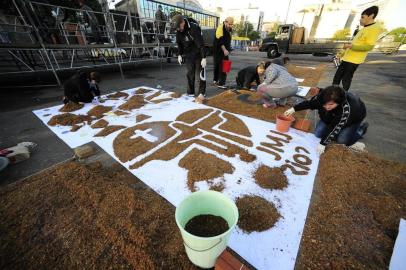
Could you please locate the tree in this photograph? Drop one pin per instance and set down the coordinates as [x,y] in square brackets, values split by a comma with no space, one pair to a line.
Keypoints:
[254,35]
[399,33]
[342,34]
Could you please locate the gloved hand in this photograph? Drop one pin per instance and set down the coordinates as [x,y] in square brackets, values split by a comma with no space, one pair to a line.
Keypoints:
[203,63]
[289,112]
[180,59]
[320,149]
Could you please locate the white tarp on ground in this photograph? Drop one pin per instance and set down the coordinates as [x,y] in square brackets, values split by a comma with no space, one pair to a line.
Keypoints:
[398,260]
[275,248]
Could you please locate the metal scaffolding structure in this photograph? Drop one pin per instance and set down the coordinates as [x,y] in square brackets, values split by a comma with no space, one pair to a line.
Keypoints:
[38,38]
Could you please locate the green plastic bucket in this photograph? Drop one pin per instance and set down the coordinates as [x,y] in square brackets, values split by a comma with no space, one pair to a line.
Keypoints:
[204,251]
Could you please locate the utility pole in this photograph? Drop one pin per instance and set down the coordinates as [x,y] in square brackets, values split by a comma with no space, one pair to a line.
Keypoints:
[287,12]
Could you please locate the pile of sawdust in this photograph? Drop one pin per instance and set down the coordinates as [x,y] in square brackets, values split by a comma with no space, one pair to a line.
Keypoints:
[100,124]
[108,130]
[157,101]
[99,110]
[235,125]
[71,106]
[142,91]
[157,94]
[75,128]
[90,217]
[135,102]
[68,119]
[228,101]
[141,117]
[311,76]
[117,95]
[256,214]
[270,178]
[202,167]
[353,219]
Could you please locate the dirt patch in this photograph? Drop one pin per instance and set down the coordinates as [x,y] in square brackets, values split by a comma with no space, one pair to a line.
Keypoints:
[90,216]
[228,101]
[75,128]
[176,95]
[100,124]
[192,116]
[108,130]
[135,102]
[99,110]
[270,178]
[311,76]
[202,166]
[142,91]
[358,198]
[206,225]
[256,214]
[71,107]
[119,113]
[141,117]
[69,119]
[117,95]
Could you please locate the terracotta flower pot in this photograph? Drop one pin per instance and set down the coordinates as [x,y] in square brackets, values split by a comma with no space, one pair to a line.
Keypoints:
[283,123]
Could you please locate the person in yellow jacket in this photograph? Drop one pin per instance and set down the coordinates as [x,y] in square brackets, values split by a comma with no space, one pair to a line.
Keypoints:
[356,51]
[222,48]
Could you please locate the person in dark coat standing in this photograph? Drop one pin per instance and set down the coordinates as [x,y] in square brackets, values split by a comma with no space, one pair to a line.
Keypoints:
[82,87]
[341,117]
[192,52]
[249,75]
[222,48]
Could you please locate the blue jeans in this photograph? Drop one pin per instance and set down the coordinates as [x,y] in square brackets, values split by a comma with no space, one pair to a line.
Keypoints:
[348,135]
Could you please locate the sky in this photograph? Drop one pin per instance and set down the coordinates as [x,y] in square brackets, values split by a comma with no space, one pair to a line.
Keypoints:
[277,9]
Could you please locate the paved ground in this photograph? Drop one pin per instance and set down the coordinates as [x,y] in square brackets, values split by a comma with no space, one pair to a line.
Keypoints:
[380,82]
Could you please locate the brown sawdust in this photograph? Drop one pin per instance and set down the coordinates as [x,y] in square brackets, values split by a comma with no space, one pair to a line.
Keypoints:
[157,101]
[202,166]
[117,95]
[206,225]
[354,216]
[69,119]
[71,107]
[192,116]
[175,147]
[270,178]
[75,128]
[141,117]
[142,91]
[217,187]
[311,76]
[256,214]
[99,110]
[157,94]
[135,102]
[86,216]
[100,124]
[228,101]
[235,125]
[119,113]
[108,130]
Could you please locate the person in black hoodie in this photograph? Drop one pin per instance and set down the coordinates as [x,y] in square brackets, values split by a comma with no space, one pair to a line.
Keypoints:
[341,114]
[250,74]
[192,51]
[82,87]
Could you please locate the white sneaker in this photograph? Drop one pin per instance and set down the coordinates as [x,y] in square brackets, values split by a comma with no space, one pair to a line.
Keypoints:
[199,99]
[358,146]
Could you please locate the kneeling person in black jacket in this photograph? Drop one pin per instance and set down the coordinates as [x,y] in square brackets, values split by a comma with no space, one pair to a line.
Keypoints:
[341,115]
[250,74]
[82,87]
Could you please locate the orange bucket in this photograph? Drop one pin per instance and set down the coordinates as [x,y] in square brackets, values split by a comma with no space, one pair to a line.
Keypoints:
[226,66]
[283,123]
